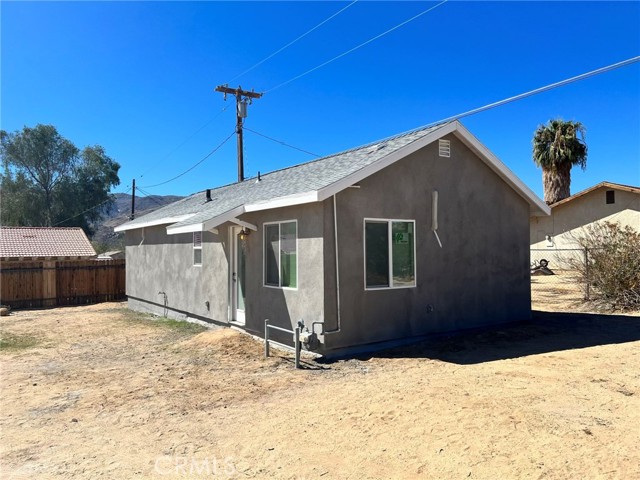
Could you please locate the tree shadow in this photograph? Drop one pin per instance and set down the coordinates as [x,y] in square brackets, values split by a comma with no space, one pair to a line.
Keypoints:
[547,332]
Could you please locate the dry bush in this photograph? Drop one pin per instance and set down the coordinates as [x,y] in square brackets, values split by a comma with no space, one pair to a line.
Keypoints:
[612,269]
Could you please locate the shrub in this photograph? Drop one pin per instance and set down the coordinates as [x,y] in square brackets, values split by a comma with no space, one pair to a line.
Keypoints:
[612,269]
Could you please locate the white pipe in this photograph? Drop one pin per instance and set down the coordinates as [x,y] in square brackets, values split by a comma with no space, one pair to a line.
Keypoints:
[335,234]
[434,215]
[434,210]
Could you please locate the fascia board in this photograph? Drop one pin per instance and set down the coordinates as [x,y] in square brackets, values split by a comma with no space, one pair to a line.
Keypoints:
[536,206]
[384,162]
[208,224]
[152,223]
[279,202]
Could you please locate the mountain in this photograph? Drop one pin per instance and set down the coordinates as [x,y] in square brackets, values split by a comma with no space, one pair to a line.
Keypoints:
[104,238]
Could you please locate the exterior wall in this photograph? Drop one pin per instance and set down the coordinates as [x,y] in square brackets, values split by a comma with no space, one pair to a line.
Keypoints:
[157,262]
[480,276]
[567,220]
[283,306]
[164,263]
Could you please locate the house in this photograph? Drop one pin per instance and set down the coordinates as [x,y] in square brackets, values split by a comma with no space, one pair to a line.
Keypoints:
[606,201]
[44,243]
[423,232]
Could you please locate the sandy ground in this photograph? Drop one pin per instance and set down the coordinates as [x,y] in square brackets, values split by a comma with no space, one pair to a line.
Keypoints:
[99,392]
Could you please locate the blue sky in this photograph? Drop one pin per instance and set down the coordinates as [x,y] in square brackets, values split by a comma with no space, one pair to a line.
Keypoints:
[138,78]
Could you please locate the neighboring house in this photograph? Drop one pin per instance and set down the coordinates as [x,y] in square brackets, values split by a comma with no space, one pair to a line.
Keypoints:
[610,202]
[420,233]
[44,243]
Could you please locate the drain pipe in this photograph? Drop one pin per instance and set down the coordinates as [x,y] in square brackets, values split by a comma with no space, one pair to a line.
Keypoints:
[335,234]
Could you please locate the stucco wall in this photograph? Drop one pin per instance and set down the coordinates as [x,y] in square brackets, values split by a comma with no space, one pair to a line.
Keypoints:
[480,276]
[157,262]
[567,220]
[165,263]
[283,306]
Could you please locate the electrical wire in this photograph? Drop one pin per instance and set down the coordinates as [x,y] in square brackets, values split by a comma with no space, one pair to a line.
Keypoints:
[357,47]
[92,208]
[151,197]
[194,165]
[282,143]
[292,42]
[561,83]
[184,142]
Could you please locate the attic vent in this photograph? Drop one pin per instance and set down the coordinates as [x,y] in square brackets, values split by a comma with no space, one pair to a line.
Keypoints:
[197,239]
[611,196]
[444,148]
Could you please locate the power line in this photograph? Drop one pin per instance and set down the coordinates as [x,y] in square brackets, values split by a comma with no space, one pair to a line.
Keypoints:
[151,197]
[292,42]
[91,208]
[155,165]
[282,143]
[194,165]
[357,47]
[561,83]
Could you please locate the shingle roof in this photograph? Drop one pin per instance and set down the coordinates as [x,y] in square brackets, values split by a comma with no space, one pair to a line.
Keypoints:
[44,242]
[322,175]
[298,179]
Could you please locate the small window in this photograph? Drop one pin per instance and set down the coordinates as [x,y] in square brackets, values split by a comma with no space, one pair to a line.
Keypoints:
[280,254]
[444,148]
[611,196]
[197,248]
[389,253]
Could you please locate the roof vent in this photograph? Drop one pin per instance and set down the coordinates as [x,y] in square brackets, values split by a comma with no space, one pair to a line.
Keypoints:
[208,194]
[444,148]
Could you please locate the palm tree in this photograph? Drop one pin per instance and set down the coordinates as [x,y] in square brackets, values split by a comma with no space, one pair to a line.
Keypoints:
[558,146]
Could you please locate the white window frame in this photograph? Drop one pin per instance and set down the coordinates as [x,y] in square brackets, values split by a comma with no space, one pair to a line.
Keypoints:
[389,222]
[264,253]
[197,245]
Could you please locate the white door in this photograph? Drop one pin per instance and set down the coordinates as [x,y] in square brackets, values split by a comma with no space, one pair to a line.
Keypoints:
[238,279]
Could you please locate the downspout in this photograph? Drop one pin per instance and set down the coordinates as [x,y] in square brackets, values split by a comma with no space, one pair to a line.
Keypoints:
[335,234]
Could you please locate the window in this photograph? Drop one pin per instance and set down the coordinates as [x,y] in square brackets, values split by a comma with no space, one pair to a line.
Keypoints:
[611,196]
[197,248]
[389,253]
[280,254]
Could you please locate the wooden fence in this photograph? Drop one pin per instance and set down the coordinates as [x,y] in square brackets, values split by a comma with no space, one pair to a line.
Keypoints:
[29,284]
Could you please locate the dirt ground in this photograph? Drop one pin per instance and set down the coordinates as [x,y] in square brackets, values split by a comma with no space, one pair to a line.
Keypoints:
[100,392]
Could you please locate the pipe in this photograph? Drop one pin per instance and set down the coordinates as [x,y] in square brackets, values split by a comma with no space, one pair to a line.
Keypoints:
[335,234]
[434,215]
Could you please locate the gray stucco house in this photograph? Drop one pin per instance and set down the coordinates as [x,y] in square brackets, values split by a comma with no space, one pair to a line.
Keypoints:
[419,233]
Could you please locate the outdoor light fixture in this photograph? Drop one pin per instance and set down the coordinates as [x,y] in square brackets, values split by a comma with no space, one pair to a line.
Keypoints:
[244,233]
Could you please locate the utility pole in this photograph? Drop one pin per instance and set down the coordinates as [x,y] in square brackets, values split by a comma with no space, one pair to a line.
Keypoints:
[133,200]
[242,98]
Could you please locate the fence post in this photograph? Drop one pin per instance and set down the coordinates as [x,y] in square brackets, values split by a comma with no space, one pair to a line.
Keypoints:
[586,272]
[266,338]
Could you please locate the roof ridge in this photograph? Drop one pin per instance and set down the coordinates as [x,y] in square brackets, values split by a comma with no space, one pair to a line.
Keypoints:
[349,150]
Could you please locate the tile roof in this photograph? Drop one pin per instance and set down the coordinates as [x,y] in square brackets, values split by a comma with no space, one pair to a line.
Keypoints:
[306,177]
[44,242]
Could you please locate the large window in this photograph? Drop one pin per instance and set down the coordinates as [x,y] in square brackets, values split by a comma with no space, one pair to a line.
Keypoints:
[389,250]
[280,254]
[197,248]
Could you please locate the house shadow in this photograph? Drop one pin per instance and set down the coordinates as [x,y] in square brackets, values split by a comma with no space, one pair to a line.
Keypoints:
[546,332]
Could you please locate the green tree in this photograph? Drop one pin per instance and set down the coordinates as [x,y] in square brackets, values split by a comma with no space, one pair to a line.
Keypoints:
[47,181]
[557,147]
